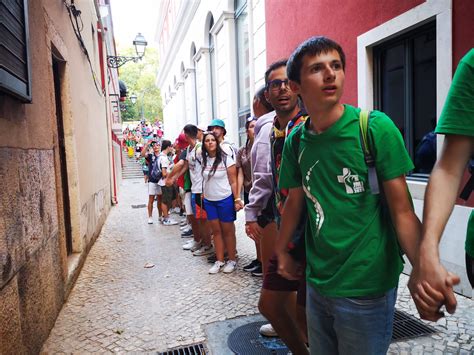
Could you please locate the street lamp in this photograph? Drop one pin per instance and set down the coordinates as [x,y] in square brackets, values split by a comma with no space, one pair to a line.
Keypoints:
[133,99]
[140,45]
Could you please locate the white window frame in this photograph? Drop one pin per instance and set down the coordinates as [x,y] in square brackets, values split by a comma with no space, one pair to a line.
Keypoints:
[441,10]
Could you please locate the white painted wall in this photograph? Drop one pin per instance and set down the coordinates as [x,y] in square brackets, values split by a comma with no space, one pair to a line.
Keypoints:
[452,243]
[191,28]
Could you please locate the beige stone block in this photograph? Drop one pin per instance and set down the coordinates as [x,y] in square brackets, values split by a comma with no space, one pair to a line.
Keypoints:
[41,295]
[10,324]
[11,231]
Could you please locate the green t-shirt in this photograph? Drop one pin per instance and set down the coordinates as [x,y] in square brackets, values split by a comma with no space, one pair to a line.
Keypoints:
[458,111]
[470,236]
[187,181]
[458,117]
[351,246]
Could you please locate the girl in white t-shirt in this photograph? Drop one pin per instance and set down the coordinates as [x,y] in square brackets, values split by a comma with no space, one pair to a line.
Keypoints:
[220,201]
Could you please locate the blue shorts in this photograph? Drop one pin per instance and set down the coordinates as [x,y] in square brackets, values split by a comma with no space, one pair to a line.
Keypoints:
[223,210]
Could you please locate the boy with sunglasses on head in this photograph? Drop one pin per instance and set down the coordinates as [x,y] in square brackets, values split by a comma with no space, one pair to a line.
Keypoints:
[278,295]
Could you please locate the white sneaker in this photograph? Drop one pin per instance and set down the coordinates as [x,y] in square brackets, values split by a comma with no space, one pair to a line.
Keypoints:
[169,222]
[185,227]
[229,266]
[267,330]
[216,267]
[150,220]
[191,244]
[196,246]
[183,223]
[204,250]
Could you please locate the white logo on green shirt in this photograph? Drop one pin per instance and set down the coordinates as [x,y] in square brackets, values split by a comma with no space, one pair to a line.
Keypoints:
[352,182]
[319,220]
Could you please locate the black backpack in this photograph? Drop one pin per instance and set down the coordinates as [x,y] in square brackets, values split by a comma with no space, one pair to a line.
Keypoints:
[156,173]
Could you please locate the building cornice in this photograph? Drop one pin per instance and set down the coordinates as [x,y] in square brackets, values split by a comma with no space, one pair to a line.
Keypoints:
[162,9]
[200,52]
[187,72]
[225,15]
[183,22]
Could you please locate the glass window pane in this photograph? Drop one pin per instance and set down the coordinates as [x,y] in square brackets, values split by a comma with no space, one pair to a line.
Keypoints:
[243,71]
[393,86]
[424,101]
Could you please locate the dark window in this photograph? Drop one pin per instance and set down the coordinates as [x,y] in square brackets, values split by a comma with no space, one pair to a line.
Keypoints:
[406,91]
[14,57]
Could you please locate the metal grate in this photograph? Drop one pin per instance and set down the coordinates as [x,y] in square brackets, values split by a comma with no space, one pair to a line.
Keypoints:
[405,326]
[139,206]
[247,340]
[195,349]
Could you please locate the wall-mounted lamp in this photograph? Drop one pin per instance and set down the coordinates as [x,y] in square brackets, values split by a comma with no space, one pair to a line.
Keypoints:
[140,45]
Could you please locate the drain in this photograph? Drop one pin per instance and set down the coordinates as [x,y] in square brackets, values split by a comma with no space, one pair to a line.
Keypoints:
[405,326]
[139,206]
[247,340]
[195,349]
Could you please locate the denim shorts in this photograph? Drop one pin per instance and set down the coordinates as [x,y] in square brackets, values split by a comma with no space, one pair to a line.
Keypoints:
[349,325]
[223,210]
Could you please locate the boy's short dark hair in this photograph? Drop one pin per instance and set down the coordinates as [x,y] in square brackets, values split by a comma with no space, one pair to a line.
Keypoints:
[272,67]
[312,46]
[165,144]
[190,130]
[260,95]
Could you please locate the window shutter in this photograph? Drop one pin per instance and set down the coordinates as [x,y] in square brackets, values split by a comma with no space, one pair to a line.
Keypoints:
[15,77]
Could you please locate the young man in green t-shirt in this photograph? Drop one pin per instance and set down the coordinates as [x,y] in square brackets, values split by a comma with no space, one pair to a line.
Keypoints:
[352,250]
[430,283]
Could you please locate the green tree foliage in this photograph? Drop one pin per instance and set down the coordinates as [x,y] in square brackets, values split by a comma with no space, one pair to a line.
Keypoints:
[140,80]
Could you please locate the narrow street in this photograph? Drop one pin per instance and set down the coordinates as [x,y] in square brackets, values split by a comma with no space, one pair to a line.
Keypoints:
[119,305]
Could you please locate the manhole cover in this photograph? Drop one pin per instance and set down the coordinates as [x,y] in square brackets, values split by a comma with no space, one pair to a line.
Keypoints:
[195,349]
[139,206]
[406,326]
[247,340]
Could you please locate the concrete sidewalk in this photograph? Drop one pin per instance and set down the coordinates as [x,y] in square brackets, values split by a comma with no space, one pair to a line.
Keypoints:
[118,305]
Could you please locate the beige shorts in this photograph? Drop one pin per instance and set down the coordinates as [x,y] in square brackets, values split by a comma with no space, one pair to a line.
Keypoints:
[154,189]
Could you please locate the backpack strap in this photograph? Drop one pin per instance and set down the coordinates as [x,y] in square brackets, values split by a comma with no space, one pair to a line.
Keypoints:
[297,140]
[364,118]
[469,187]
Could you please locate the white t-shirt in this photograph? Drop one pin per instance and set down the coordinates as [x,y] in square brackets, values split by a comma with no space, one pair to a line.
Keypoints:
[218,186]
[194,159]
[164,163]
[226,146]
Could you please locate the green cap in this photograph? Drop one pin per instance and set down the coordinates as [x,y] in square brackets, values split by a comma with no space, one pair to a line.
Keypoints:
[216,123]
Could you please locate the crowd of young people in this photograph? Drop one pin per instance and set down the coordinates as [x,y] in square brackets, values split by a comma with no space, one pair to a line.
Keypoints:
[330,234]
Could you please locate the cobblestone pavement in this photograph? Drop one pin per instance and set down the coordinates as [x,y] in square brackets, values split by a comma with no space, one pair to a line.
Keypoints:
[118,305]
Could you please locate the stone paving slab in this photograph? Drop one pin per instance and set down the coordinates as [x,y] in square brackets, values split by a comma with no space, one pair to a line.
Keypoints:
[119,306]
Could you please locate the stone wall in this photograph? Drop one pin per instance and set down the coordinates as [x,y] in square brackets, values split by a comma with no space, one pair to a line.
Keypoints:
[36,273]
[32,279]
